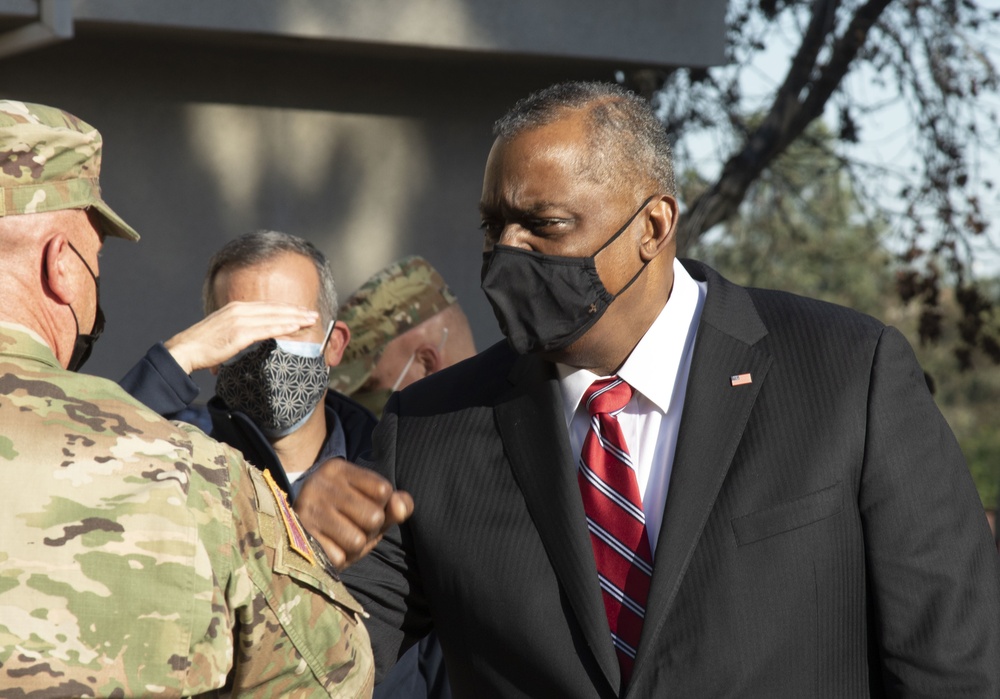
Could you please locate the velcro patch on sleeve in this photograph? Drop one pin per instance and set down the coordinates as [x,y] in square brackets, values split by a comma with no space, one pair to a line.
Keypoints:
[296,535]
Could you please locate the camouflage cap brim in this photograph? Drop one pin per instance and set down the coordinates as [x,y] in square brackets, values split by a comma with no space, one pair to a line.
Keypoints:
[50,160]
[114,225]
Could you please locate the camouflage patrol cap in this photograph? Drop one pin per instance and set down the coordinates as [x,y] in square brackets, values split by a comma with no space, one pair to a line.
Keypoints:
[49,161]
[393,300]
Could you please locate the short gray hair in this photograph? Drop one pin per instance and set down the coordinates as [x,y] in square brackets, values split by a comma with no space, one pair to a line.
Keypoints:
[626,139]
[262,246]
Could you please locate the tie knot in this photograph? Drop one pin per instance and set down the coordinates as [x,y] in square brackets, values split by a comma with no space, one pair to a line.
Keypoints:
[607,396]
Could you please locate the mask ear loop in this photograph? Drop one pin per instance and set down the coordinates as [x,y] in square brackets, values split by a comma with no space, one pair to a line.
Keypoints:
[409,363]
[322,348]
[617,235]
[326,339]
[413,355]
[625,227]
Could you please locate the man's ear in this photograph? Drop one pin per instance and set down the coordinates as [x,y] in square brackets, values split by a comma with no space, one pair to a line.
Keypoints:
[58,273]
[337,343]
[660,228]
[429,357]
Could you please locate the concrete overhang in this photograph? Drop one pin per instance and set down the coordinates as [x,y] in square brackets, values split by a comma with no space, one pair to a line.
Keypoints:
[640,33]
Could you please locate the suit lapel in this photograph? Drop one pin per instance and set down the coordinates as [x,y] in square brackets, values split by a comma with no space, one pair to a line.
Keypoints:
[714,417]
[535,438]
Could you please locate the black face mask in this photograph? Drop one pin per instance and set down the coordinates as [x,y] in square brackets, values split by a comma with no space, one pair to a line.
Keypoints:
[545,303]
[84,344]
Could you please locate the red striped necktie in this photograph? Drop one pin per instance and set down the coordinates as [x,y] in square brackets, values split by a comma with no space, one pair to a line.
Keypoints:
[615,518]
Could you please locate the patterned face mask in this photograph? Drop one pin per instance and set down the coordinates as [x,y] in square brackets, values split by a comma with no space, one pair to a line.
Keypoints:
[277,383]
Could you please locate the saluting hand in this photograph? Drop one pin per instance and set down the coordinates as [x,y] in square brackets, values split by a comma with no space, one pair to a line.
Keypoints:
[232,328]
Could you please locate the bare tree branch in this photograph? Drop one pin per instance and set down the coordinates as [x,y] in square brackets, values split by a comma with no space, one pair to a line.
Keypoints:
[800,100]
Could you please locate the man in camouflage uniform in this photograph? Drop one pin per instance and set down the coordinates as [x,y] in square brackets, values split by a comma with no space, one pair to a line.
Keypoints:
[405,324]
[137,557]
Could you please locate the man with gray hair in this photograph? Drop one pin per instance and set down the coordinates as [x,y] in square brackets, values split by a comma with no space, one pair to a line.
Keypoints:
[272,400]
[664,484]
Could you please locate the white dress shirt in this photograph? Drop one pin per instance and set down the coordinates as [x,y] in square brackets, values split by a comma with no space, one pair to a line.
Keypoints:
[658,370]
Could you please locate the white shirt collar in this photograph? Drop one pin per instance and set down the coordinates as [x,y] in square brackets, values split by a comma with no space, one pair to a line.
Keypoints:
[652,367]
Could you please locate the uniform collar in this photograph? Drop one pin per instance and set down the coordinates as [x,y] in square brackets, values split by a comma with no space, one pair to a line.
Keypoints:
[21,341]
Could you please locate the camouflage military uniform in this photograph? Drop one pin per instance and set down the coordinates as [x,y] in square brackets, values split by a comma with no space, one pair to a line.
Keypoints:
[135,552]
[394,300]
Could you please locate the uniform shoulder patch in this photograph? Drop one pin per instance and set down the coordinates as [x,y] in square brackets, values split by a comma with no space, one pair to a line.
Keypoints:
[298,541]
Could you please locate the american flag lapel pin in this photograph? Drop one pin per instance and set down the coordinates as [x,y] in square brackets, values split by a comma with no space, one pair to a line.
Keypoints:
[740,379]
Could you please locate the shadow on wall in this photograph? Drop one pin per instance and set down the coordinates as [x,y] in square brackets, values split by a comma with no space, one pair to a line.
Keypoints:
[348,183]
[361,176]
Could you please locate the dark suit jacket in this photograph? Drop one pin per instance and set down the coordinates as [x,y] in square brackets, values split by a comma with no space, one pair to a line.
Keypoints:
[822,536]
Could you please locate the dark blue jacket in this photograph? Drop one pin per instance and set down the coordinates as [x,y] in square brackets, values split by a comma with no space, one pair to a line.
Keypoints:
[159,382]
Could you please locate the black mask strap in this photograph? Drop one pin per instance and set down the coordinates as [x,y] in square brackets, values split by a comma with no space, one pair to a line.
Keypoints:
[84,343]
[628,223]
[616,236]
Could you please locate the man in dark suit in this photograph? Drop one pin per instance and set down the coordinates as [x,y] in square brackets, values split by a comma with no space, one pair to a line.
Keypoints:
[794,518]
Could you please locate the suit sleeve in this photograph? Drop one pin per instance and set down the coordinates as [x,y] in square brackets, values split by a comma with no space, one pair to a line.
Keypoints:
[385,581]
[933,572]
[158,381]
